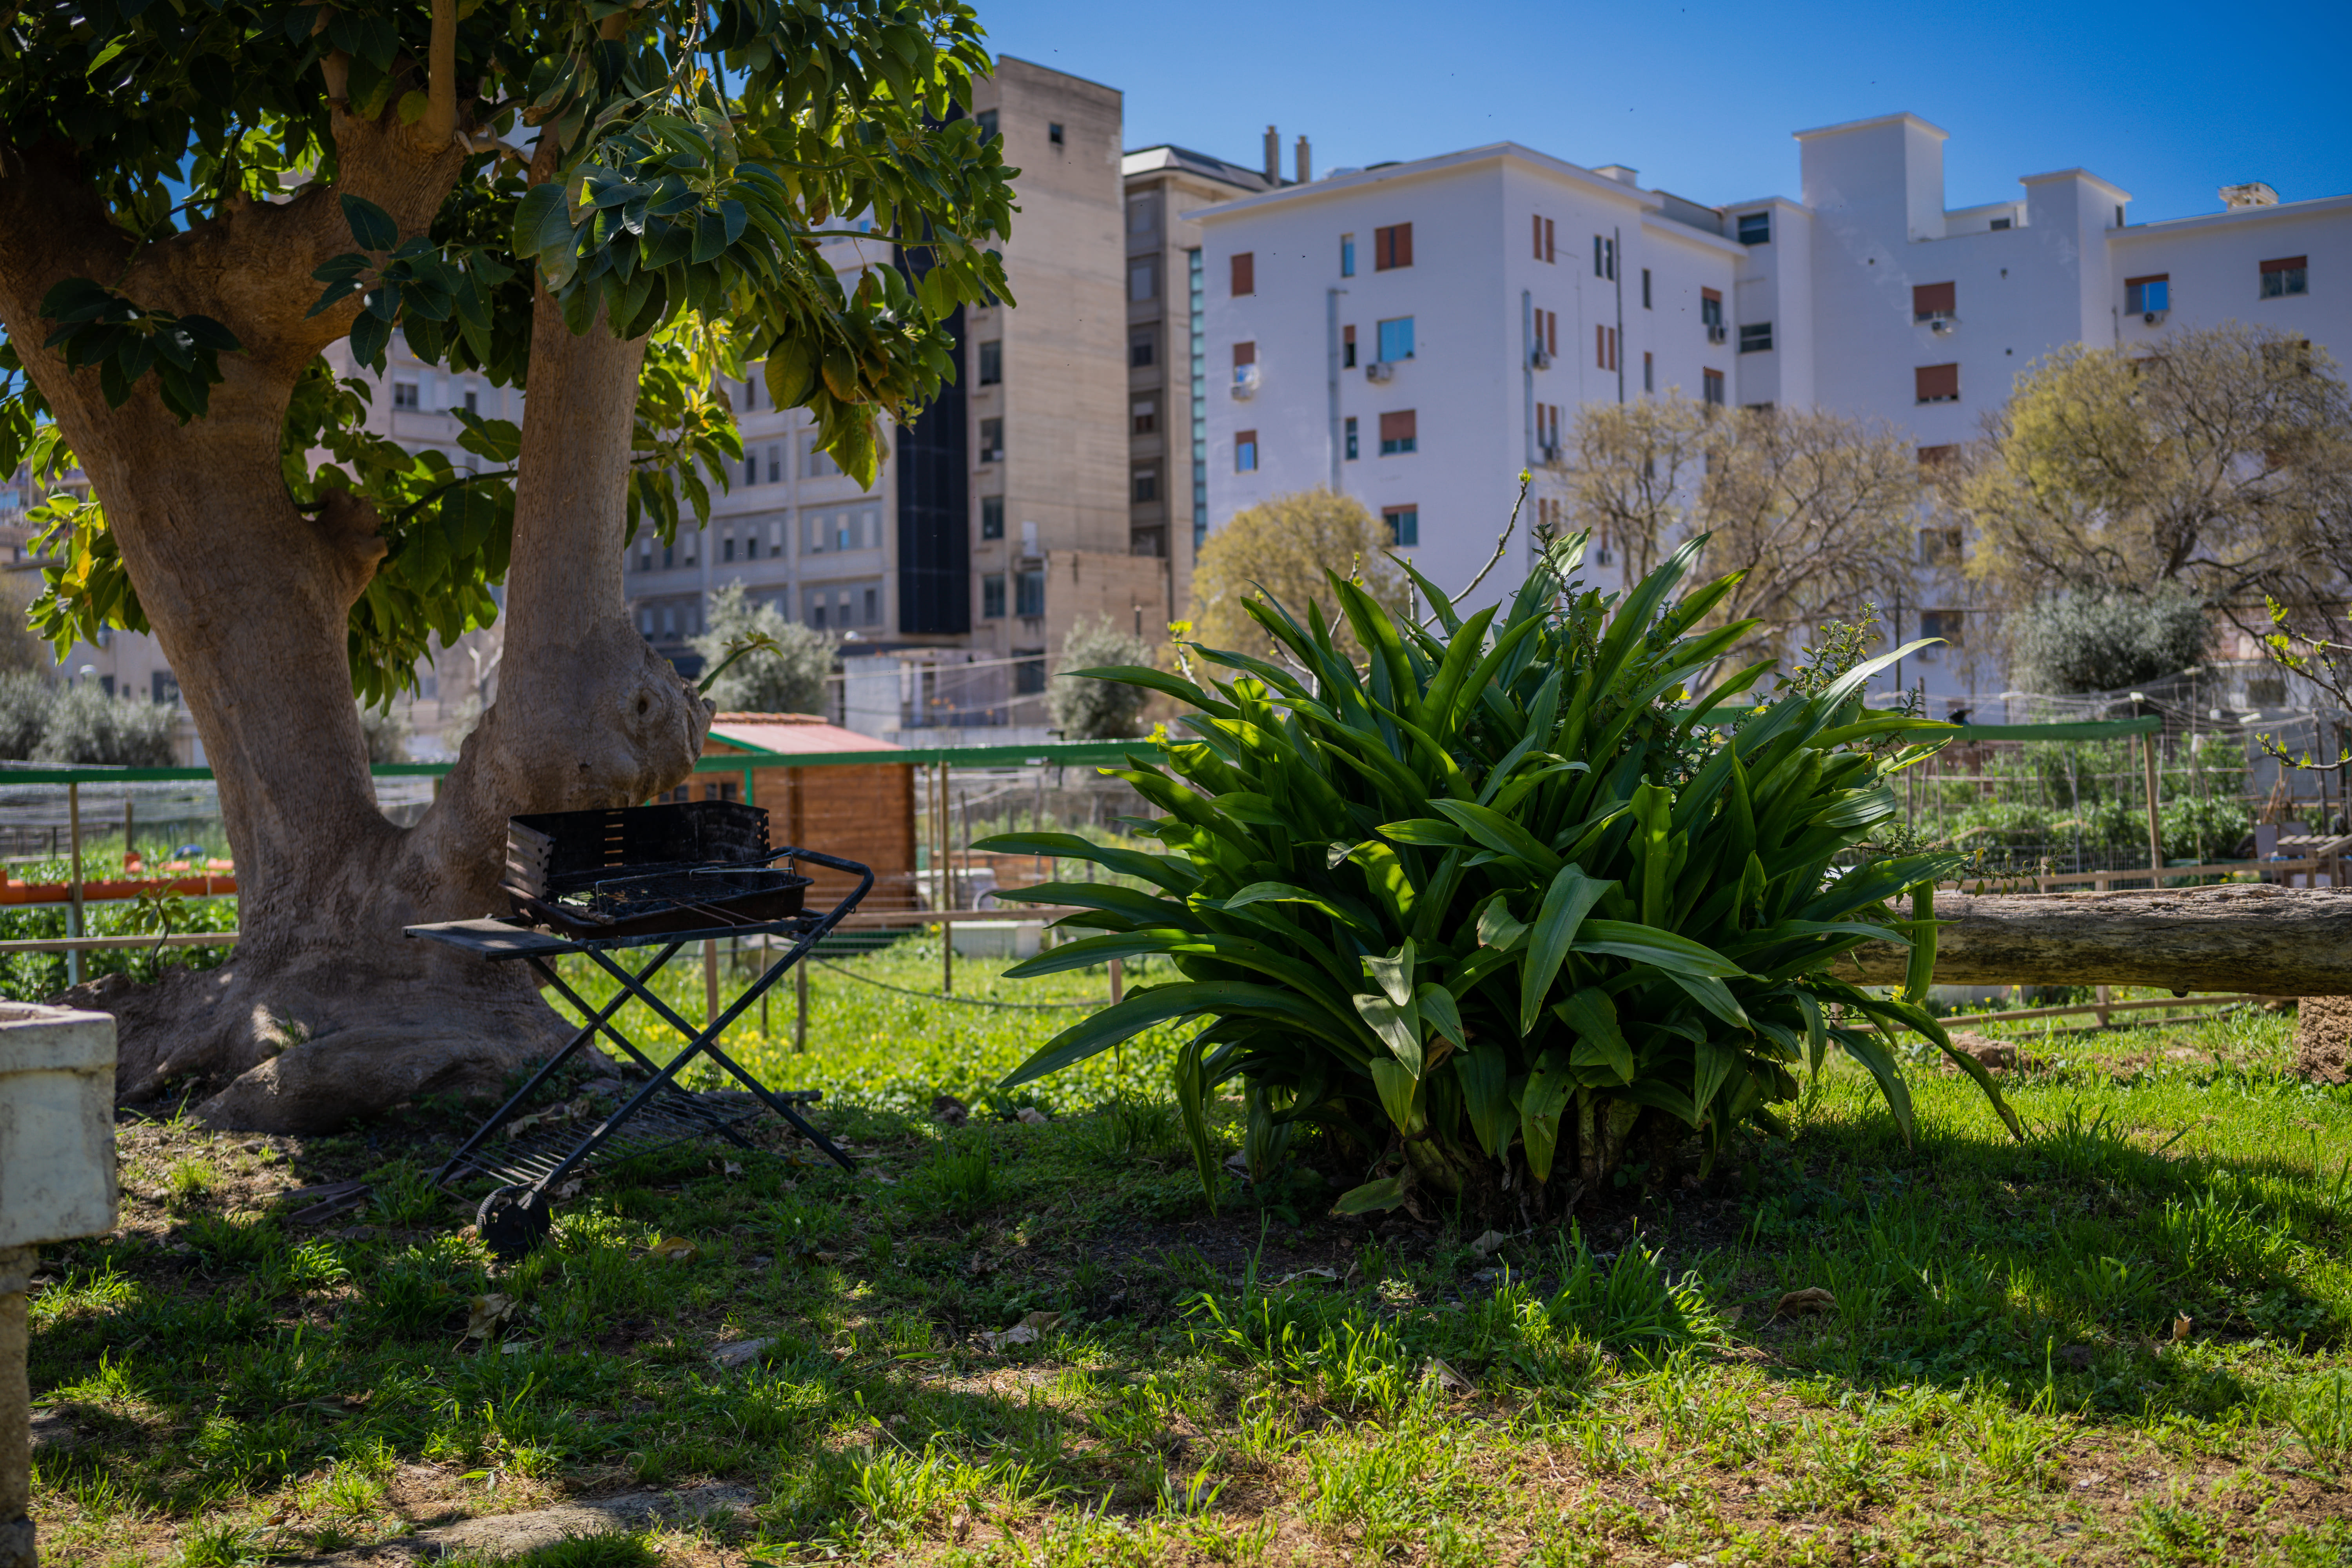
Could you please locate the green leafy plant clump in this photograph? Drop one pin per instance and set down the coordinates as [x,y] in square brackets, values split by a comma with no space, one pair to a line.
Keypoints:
[1502,902]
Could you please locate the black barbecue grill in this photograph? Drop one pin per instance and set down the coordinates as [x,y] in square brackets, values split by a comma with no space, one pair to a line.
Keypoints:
[593,883]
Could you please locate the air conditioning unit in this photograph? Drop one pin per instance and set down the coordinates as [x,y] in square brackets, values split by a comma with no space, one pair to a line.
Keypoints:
[2154,318]
[1941,325]
[1540,360]
[1717,334]
[1379,370]
[1551,453]
[1244,382]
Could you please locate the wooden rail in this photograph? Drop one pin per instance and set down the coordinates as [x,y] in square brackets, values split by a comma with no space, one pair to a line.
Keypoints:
[2101,880]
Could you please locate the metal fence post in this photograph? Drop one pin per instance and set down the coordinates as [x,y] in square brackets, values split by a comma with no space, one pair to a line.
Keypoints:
[2154,837]
[73,908]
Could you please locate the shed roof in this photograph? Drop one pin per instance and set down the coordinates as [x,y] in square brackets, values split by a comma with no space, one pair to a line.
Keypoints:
[788,732]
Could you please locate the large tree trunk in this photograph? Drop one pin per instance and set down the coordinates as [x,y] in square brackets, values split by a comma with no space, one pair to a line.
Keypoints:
[326,1012]
[2279,941]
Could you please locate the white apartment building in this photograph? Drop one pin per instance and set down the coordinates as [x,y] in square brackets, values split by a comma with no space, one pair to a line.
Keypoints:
[1415,334]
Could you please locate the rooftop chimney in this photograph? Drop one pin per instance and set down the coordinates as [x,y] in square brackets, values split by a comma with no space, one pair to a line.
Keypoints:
[1272,156]
[1306,162]
[1620,173]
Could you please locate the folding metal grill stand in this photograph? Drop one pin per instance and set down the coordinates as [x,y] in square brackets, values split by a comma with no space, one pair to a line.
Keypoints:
[518,1214]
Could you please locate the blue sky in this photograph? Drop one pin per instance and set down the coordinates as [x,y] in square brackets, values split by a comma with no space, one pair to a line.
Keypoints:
[2168,101]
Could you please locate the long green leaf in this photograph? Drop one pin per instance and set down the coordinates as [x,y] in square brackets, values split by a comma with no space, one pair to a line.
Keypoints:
[1566,902]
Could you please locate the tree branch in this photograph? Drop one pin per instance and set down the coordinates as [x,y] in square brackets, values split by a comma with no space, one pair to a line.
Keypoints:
[441,81]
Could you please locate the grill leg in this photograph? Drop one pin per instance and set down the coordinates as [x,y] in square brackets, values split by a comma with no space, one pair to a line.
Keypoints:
[705,1041]
[597,1019]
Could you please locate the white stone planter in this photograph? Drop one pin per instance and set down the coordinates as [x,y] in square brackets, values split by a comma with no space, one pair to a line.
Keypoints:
[56,1124]
[57,1182]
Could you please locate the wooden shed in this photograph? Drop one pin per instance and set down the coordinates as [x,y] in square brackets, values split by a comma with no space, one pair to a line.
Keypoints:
[860,812]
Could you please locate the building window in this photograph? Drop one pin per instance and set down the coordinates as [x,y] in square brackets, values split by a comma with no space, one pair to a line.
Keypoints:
[817,463]
[1347,348]
[1755,337]
[1645,288]
[1147,484]
[817,607]
[1605,257]
[1934,302]
[727,548]
[1930,456]
[991,596]
[1145,413]
[1144,279]
[1392,246]
[1244,279]
[1196,359]
[403,394]
[1347,255]
[2286,276]
[1710,311]
[992,362]
[1054,132]
[473,402]
[1141,352]
[1937,382]
[1404,525]
[1938,545]
[1351,438]
[1944,623]
[1999,224]
[1396,339]
[1547,241]
[1245,370]
[752,469]
[669,556]
[873,605]
[1604,348]
[776,464]
[1547,332]
[1398,435]
[992,440]
[987,117]
[1142,216]
[2143,294]
[1710,383]
[1029,666]
[1756,228]
[1648,373]
[991,517]
[1029,591]
[1245,452]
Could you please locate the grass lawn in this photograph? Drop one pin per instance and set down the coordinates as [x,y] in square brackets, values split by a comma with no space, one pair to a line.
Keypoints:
[2123,1341]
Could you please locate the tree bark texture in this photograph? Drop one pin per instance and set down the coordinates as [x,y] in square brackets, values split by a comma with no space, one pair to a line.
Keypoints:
[326,1012]
[2279,941]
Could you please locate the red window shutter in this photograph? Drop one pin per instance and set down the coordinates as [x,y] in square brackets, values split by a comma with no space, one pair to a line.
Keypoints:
[1245,272]
[1397,426]
[1404,245]
[1348,336]
[1551,333]
[1937,383]
[1551,236]
[1934,300]
[1384,250]
[1538,221]
[1713,294]
[2286,264]
[1245,354]
[1600,347]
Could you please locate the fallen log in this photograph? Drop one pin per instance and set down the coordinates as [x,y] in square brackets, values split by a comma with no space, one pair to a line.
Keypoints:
[2250,936]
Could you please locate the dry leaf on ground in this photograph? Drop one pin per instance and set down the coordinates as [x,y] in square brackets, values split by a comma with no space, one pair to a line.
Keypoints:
[1488,1244]
[488,1314]
[1811,1298]
[673,1249]
[1031,1327]
[1447,1378]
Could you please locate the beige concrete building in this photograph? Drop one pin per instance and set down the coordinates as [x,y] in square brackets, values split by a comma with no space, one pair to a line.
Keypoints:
[1168,492]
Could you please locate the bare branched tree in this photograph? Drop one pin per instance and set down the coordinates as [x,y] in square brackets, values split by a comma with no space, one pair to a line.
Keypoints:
[2220,461]
[1818,511]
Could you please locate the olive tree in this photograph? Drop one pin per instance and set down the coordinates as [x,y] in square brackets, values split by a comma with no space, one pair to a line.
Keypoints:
[610,206]
[1086,707]
[765,663]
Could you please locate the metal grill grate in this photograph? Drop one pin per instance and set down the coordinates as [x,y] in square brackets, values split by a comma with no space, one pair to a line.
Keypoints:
[530,1157]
